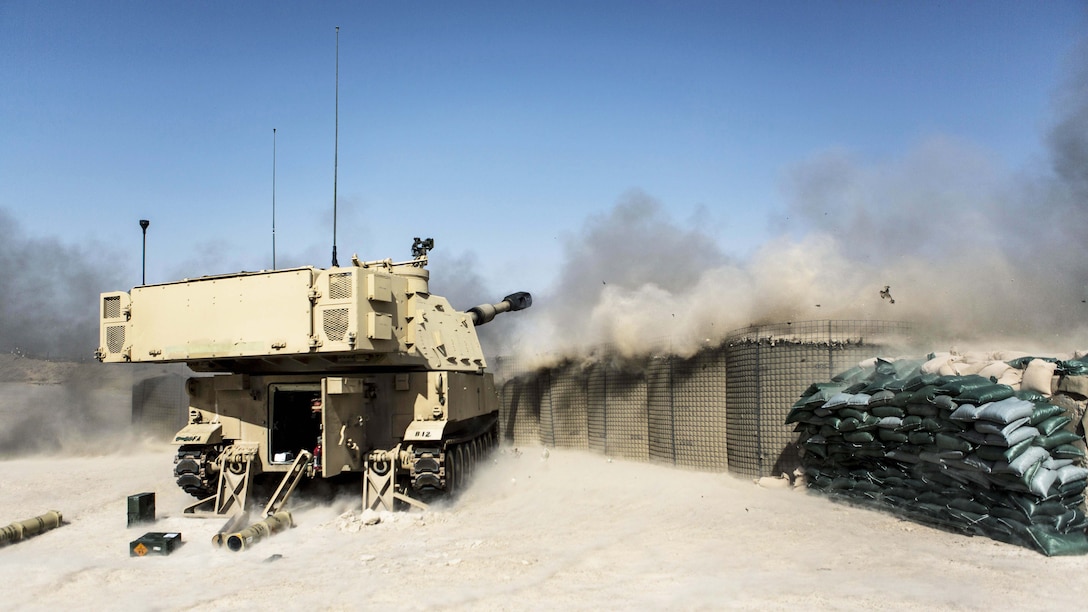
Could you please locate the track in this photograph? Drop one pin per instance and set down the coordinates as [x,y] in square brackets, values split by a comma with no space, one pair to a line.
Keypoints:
[196,470]
[447,467]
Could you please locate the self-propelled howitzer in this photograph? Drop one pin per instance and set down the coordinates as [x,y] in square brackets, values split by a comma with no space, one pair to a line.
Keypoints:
[360,365]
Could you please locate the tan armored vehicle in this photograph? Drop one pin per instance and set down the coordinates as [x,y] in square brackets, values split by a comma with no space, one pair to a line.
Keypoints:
[354,369]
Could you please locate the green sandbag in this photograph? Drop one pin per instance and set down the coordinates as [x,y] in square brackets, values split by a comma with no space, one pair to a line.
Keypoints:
[1066,451]
[800,415]
[925,395]
[1030,395]
[852,414]
[944,402]
[955,385]
[879,398]
[967,505]
[1043,412]
[987,394]
[858,437]
[922,410]
[951,442]
[909,424]
[933,425]
[921,438]
[849,425]
[1070,520]
[977,463]
[887,411]
[1073,367]
[1059,438]
[889,435]
[902,398]
[1053,424]
[1053,544]
[821,395]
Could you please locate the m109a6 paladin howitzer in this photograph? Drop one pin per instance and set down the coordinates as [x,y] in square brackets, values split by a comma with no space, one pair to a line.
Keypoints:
[360,366]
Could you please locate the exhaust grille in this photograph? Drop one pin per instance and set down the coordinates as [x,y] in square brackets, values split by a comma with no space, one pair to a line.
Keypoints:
[340,286]
[115,338]
[111,307]
[335,322]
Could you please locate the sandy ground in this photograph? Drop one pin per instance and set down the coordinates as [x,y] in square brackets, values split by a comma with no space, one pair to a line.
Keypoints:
[570,531]
[534,530]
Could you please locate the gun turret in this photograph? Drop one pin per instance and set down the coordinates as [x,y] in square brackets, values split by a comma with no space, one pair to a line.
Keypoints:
[485,312]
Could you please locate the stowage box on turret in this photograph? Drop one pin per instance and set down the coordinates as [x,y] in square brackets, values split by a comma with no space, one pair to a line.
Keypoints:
[359,365]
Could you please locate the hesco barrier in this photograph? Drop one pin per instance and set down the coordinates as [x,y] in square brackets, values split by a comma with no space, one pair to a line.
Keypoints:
[160,405]
[770,366]
[722,409]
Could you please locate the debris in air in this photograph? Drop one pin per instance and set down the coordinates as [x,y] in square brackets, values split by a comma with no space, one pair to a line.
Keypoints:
[886,294]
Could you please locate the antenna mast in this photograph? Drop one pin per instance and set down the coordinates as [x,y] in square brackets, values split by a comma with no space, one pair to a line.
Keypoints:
[336,153]
[273,198]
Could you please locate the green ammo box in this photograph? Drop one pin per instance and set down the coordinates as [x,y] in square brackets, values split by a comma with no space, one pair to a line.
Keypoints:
[154,543]
[141,508]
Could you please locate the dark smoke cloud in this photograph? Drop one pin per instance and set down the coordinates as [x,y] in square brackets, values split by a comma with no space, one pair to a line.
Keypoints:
[50,293]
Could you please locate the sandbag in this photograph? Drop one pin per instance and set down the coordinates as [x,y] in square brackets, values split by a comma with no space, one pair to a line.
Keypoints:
[886,410]
[1071,473]
[858,437]
[956,385]
[1007,410]
[1066,451]
[944,402]
[991,427]
[1044,411]
[880,398]
[994,370]
[909,424]
[983,395]
[966,412]
[923,410]
[1014,437]
[859,399]
[951,442]
[889,435]
[839,399]
[1053,544]
[1056,439]
[1042,481]
[1031,457]
[890,422]
[1038,376]
[1074,367]
[1053,424]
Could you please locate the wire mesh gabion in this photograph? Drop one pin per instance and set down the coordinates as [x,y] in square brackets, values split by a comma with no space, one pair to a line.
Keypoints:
[721,409]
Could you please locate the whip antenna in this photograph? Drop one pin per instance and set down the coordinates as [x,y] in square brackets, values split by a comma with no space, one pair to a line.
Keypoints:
[336,151]
[273,198]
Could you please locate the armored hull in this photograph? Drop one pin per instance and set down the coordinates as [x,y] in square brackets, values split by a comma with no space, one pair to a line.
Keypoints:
[359,365]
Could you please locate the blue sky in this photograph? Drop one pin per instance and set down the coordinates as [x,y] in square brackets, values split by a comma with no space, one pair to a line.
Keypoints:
[498,128]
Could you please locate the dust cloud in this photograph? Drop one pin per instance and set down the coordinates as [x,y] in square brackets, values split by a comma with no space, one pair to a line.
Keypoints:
[972,253]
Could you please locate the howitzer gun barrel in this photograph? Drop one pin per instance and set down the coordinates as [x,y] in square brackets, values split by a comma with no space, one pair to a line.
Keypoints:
[258,531]
[32,526]
[485,312]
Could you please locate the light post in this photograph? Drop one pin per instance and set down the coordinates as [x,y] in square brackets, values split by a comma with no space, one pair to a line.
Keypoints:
[143,276]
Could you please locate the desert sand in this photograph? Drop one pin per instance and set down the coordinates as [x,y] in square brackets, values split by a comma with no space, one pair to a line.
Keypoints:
[536,529]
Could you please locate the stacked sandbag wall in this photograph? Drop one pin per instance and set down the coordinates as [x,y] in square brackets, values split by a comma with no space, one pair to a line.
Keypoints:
[991,447]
